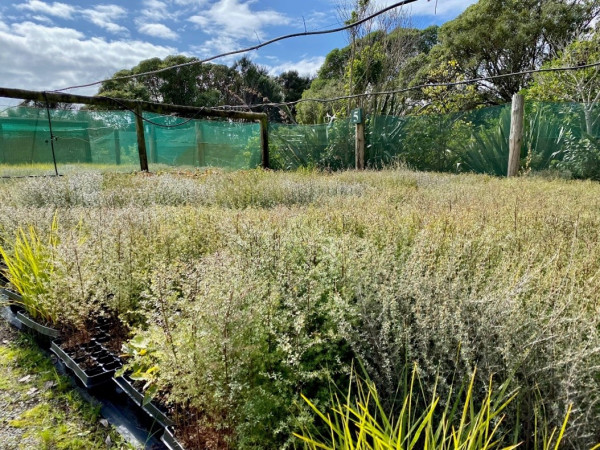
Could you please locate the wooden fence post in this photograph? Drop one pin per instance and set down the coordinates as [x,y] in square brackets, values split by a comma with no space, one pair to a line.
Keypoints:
[264,141]
[359,138]
[516,134]
[141,141]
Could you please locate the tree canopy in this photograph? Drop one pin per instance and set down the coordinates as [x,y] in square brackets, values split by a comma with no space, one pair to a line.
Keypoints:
[492,38]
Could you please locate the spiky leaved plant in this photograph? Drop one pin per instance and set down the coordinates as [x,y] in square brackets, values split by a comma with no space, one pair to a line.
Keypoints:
[29,268]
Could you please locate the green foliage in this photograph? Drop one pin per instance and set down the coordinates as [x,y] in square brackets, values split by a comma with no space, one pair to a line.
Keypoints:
[494,37]
[141,367]
[249,288]
[360,421]
[29,268]
[319,112]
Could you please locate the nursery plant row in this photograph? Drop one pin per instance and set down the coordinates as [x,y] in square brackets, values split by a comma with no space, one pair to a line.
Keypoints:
[242,303]
[91,363]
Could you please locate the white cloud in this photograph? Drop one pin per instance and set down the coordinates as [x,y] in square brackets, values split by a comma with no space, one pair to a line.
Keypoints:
[43,19]
[157,30]
[105,16]
[39,57]
[156,10]
[191,2]
[217,46]
[56,9]
[304,67]
[233,21]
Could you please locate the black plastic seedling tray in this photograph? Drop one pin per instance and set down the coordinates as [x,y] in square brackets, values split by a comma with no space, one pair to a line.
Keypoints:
[168,438]
[138,397]
[32,325]
[11,295]
[89,378]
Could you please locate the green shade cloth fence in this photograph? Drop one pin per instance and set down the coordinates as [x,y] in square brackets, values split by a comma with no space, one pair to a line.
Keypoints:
[563,136]
[108,139]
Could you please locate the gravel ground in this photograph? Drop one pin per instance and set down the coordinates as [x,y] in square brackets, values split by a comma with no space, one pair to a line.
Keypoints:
[39,409]
[11,405]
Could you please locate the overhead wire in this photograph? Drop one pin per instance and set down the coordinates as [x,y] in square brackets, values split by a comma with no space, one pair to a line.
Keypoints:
[416,87]
[318,100]
[245,50]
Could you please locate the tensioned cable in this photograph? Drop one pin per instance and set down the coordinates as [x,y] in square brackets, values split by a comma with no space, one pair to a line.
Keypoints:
[365,94]
[245,50]
[413,88]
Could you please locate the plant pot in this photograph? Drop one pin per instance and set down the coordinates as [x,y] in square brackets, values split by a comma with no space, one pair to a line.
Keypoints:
[90,377]
[37,327]
[168,438]
[15,299]
[11,317]
[128,388]
[138,397]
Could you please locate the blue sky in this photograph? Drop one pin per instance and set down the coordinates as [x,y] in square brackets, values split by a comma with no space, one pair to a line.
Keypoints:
[50,45]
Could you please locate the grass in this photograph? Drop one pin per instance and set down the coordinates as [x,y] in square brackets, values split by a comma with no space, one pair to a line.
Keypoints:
[41,409]
[253,288]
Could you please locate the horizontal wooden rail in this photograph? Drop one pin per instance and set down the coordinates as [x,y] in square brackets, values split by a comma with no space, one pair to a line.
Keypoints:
[158,108]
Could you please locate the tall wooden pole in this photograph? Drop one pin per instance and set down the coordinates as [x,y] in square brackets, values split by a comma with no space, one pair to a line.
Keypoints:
[516,134]
[360,146]
[264,141]
[141,141]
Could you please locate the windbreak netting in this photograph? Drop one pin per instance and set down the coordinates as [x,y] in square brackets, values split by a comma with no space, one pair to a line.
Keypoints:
[175,141]
[436,142]
[107,140]
[82,138]
[325,145]
[564,137]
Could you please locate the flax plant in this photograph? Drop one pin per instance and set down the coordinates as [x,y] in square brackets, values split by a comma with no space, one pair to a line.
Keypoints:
[29,268]
[359,421]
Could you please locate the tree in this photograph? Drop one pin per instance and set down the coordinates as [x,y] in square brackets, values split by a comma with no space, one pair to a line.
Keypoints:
[580,86]
[192,85]
[256,86]
[292,86]
[383,61]
[578,149]
[498,37]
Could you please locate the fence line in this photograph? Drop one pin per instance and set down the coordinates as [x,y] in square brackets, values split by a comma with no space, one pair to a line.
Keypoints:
[562,136]
[137,107]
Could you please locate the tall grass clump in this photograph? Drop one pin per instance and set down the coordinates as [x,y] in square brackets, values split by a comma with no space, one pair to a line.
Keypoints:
[358,420]
[29,268]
